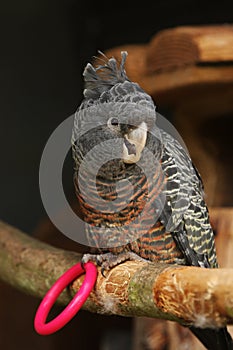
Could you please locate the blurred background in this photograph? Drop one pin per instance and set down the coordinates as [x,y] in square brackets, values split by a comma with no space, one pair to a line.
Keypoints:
[44,47]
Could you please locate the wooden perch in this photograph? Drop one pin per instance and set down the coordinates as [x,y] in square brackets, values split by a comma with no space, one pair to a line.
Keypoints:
[188,295]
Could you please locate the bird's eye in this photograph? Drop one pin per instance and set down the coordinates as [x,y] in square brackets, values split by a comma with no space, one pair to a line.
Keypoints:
[114,121]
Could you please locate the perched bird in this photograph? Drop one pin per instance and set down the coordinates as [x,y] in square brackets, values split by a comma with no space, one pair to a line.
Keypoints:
[140,195]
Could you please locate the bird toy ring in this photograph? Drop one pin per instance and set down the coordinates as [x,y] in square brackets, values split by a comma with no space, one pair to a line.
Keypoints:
[75,304]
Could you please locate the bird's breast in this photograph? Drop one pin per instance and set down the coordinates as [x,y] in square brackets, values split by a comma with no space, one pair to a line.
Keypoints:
[118,203]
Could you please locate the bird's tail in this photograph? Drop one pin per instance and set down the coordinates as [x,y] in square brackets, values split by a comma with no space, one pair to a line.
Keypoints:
[214,339]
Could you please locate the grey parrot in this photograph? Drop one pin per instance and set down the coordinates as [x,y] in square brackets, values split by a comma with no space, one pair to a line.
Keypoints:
[140,195]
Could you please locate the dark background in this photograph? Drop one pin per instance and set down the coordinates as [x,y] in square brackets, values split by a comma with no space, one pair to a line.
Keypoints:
[45,45]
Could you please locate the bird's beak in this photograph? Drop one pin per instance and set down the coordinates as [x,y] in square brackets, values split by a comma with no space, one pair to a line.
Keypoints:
[134,143]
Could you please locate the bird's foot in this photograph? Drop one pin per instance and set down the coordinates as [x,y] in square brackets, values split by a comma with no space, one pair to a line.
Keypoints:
[108,260]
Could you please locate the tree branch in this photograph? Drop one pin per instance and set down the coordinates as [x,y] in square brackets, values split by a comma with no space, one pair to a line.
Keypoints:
[188,295]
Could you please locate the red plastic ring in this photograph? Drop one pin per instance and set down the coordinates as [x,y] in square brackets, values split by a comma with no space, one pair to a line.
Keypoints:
[75,304]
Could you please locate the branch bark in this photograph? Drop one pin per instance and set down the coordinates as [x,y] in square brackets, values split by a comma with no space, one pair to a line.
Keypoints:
[188,295]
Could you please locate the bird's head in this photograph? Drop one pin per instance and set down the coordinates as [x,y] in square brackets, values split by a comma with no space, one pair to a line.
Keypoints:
[116,109]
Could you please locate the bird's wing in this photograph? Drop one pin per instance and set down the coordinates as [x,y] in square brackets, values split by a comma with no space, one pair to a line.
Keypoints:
[185,213]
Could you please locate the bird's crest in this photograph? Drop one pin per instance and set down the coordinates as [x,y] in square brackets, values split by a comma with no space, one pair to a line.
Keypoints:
[105,76]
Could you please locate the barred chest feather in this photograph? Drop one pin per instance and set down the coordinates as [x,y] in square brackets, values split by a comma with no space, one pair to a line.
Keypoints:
[127,208]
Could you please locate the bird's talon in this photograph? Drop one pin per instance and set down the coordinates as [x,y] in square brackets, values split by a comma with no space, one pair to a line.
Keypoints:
[82,264]
[103,272]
